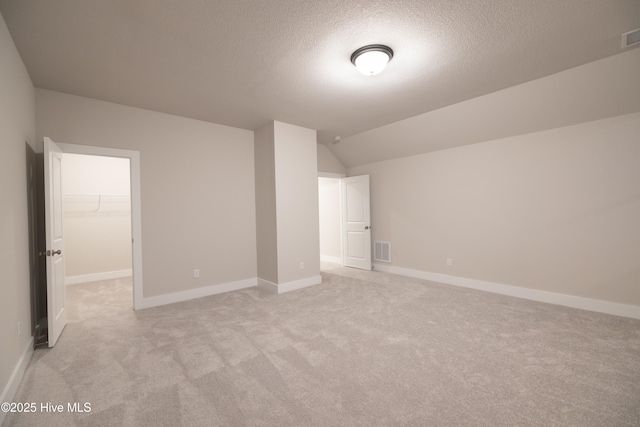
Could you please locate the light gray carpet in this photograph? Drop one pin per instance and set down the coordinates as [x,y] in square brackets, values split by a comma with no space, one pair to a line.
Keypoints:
[363,348]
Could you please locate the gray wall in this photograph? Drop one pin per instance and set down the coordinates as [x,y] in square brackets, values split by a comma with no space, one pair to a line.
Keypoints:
[557,210]
[197,183]
[266,225]
[17,126]
[287,203]
[296,172]
[327,162]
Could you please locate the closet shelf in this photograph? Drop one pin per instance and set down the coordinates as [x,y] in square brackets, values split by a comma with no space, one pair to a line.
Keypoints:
[94,197]
[85,204]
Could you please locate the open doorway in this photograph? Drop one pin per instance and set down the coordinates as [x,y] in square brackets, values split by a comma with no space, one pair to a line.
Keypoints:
[55,235]
[344,222]
[135,206]
[329,201]
[96,197]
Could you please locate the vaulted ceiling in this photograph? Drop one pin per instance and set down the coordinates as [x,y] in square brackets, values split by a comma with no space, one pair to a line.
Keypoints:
[244,63]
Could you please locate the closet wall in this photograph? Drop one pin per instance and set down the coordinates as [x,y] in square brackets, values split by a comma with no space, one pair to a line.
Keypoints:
[97,217]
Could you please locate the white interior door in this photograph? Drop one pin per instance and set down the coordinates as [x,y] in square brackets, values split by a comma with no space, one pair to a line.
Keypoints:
[56,296]
[356,224]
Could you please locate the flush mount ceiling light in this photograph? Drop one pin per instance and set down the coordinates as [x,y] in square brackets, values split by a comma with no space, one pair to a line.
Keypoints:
[372,59]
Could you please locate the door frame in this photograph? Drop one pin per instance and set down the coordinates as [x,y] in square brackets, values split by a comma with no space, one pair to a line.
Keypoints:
[37,244]
[136,205]
[341,202]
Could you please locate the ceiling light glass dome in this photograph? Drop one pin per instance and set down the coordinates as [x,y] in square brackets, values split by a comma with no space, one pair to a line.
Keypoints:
[372,59]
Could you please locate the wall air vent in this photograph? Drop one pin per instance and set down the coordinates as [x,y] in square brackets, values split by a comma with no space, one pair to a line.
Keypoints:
[382,251]
[632,38]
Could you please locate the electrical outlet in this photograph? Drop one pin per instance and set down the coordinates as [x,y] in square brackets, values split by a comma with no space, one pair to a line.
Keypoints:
[196,273]
[301,265]
[449,262]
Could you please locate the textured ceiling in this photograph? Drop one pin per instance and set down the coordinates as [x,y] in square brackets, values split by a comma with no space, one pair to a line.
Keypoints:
[244,63]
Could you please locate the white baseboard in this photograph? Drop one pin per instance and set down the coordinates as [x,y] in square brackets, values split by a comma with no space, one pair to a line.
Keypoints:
[11,388]
[196,293]
[329,258]
[600,306]
[289,286]
[269,286]
[105,275]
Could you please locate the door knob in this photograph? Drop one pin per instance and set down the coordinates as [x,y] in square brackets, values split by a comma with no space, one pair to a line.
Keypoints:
[367,227]
[52,253]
